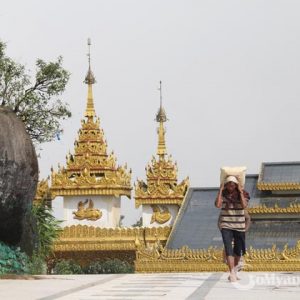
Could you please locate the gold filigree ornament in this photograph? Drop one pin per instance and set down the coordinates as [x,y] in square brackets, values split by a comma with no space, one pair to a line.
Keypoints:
[160,216]
[90,213]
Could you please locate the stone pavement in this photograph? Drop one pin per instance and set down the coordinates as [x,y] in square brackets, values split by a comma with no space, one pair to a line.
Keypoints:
[175,286]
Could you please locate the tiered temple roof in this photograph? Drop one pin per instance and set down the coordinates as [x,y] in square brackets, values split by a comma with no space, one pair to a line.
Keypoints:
[91,170]
[162,185]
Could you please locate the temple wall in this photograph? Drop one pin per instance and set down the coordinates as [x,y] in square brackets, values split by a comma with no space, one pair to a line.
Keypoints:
[147,213]
[108,205]
[58,208]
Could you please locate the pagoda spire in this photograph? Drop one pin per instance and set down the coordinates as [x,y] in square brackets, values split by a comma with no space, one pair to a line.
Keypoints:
[161,186]
[90,80]
[90,169]
[161,118]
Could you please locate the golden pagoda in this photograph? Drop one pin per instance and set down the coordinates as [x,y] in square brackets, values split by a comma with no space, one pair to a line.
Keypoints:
[91,170]
[91,174]
[91,177]
[161,196]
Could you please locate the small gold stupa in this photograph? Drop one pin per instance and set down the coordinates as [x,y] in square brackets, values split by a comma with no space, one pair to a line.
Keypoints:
[161,196]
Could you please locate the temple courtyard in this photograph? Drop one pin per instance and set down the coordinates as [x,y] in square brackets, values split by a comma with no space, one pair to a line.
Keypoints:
[192,286]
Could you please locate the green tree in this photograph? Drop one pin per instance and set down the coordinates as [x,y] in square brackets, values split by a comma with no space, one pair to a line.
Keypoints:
[67,267]
[47,226]
[110,266]
[35,101]
[48,230]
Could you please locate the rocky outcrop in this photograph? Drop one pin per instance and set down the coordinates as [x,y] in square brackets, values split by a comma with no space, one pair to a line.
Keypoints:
[18,182]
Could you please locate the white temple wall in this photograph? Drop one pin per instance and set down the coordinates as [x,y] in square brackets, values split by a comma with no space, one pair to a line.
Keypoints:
[57,205]
[147,213]
[108,205]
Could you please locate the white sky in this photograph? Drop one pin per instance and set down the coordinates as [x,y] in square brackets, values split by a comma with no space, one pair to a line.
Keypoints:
[230,72]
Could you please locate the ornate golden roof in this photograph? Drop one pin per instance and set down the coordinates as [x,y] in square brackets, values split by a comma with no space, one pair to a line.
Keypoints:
[91,170]
[161,186]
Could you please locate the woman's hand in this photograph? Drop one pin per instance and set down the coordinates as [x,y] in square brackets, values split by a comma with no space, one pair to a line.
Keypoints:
[240,189]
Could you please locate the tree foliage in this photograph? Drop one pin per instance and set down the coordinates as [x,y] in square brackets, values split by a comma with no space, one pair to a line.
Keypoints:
[111,266]
[35,101]
[48,228]
[67,267]
[12,260]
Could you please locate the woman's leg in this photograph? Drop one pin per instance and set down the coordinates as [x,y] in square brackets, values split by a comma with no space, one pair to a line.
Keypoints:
[236,260]
[227,236]
[239,246]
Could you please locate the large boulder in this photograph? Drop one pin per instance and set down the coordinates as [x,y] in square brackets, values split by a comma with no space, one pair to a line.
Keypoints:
[18,182]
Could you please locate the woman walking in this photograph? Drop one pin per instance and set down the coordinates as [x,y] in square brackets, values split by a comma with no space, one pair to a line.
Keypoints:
[233,201]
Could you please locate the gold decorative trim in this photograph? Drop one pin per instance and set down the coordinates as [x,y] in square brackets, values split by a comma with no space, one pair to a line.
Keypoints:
[112,183]
[278,186]
[157,201]
[159,259]
[83,191]
[293,208]
[90,238]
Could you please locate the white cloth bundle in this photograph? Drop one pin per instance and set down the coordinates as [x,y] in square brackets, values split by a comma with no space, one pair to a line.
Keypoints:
[238,172]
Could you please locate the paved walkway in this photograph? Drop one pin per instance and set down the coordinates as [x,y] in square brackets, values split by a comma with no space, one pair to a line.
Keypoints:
[175,286]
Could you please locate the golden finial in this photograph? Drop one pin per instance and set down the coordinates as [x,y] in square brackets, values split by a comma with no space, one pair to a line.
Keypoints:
[161,118]
[90,80]
[161,114]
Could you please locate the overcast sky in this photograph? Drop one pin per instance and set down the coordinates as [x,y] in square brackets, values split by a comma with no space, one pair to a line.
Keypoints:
[230,73]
